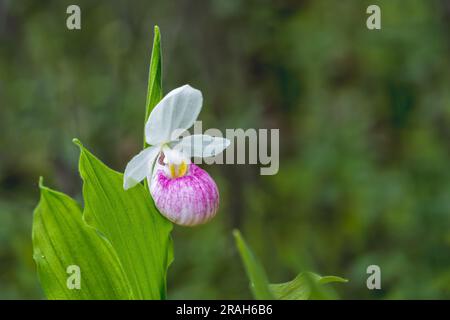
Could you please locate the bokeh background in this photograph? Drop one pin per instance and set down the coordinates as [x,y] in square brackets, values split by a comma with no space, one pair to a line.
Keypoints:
[364,119]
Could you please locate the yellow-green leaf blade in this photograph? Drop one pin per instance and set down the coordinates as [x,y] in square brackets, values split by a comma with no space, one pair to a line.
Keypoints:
[62,239]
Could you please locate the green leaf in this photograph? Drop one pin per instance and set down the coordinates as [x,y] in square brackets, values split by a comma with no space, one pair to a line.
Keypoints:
[62,239]
[130,221]
[154,89]
[305,286]
[258,280]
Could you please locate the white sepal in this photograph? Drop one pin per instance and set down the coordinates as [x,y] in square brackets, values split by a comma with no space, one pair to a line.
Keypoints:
[177,111]
[201,145]
[140,166]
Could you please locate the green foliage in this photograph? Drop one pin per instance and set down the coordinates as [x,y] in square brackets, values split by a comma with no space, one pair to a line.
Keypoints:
[61,238]
[120,238]
[134,249]
[306,285]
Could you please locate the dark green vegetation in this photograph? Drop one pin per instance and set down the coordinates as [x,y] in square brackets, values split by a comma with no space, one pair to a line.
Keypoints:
[364,120]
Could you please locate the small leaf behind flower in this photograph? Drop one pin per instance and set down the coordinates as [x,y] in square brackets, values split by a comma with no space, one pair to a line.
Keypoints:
[154,89]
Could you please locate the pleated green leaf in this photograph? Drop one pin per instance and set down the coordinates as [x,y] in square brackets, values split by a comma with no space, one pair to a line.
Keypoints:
[73,260]
[259,284]
[130,221]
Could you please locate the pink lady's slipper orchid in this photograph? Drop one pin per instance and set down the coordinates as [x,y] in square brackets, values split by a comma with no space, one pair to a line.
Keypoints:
[183,192]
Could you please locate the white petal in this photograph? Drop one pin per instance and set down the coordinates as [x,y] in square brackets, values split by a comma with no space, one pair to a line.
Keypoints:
[201,145]
[140,167]
[178,110]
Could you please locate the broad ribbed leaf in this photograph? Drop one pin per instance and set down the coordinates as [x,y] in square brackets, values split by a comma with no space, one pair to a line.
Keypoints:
[258,279]
[129,220]
[61,239]
[305,286]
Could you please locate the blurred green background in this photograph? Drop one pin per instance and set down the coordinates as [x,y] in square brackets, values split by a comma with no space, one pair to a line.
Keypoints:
[364,120]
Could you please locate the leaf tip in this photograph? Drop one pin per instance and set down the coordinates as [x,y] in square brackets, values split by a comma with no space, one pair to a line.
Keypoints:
[77,142]
[42,188]
[41,182]
[340,279]
[156,36]
[329,279]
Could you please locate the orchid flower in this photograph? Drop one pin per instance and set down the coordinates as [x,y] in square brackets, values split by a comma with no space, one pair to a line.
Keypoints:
[183,192]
